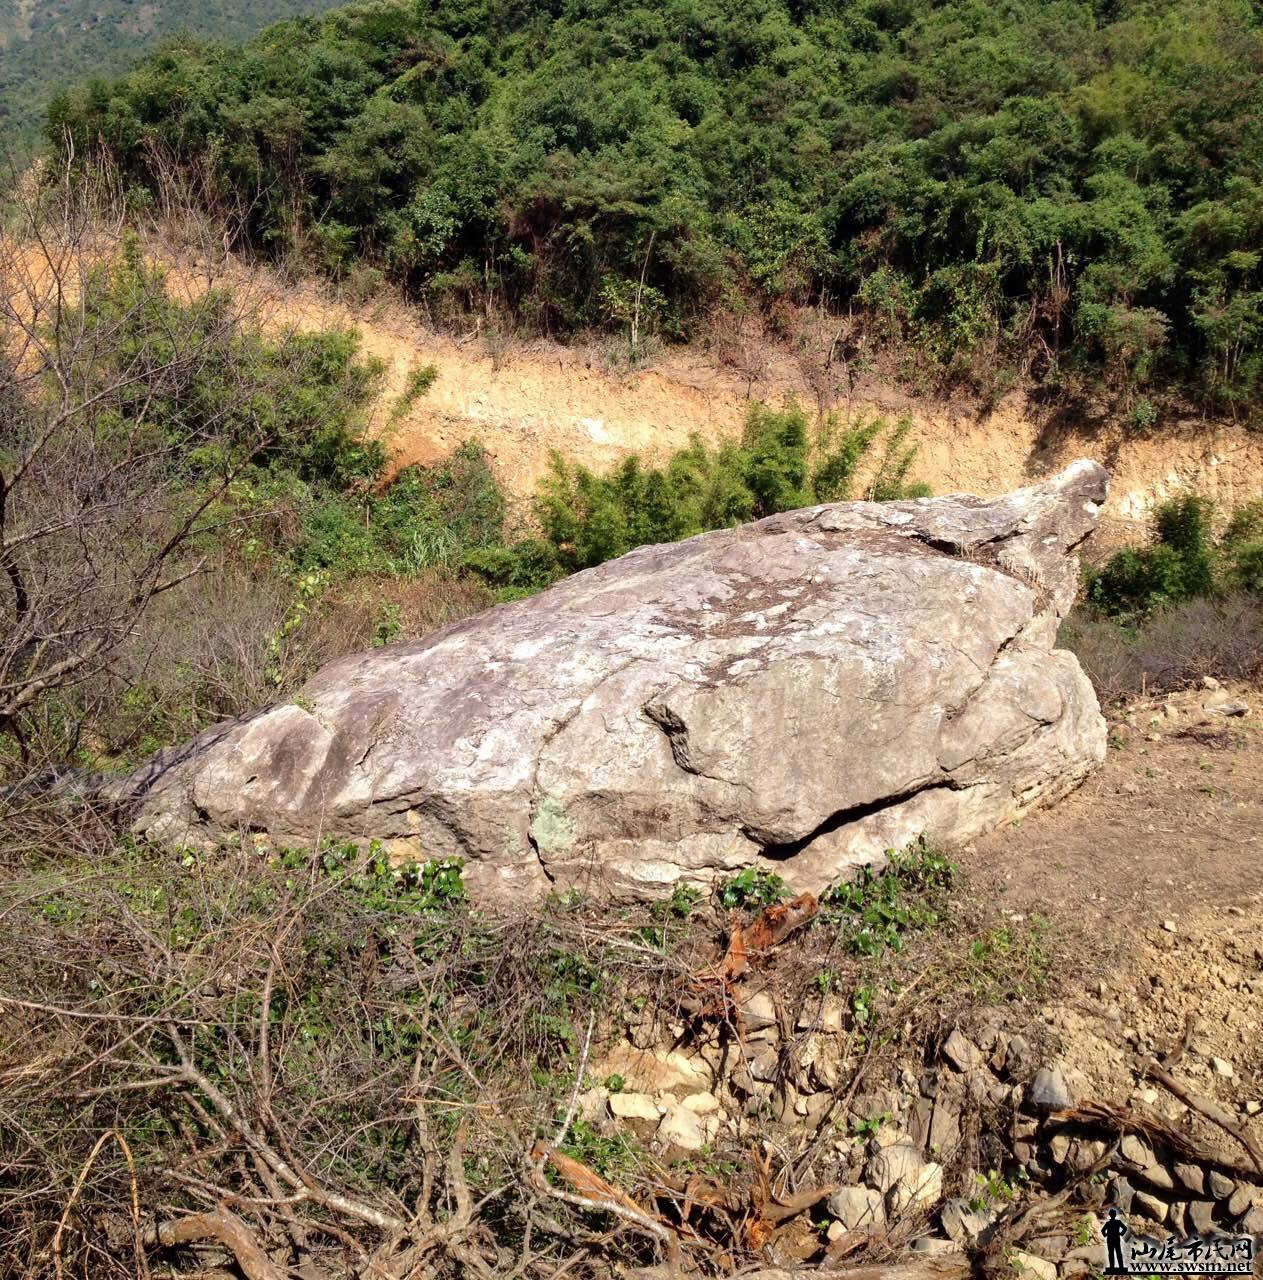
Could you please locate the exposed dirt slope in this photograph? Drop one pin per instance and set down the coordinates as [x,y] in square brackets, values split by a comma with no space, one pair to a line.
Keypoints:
[523,400]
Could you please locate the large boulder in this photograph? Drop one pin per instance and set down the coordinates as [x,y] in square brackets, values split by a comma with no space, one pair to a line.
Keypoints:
[803,693]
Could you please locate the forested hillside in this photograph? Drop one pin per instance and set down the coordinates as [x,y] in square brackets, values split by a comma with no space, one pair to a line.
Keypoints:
[46,45]
[1065,190]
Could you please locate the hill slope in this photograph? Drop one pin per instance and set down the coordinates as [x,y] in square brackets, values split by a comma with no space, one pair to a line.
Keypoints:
[1071,191]
[48,45]
[526,399]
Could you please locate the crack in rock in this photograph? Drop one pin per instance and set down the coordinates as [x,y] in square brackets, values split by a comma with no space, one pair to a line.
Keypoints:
[781,851]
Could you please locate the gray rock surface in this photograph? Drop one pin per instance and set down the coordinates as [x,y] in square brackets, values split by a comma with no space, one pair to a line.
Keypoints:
[1220,1185]
[905,1178]
[857,1208]
[1027,1264]
[1049,1091]
[962,1221]
[683,1129]
[805,692]
[633,1106]
[960,1051]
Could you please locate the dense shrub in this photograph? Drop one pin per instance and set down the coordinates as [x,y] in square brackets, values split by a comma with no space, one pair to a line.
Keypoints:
[1242,547]
[1183,560]
[1067,188]
[1187,605]
[781,462]
[193,370]
[427,517]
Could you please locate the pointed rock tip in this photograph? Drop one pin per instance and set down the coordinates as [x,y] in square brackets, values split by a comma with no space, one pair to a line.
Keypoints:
[1085,476]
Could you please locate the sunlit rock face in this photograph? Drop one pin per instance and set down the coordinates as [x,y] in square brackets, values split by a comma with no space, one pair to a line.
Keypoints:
[804,693]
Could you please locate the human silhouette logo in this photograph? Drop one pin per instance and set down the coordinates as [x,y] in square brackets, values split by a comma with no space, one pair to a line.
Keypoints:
[1128,1254]
[1115,1231]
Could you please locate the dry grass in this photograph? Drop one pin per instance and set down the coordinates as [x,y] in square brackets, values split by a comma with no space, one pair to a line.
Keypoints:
[1174,648]
[309,1061]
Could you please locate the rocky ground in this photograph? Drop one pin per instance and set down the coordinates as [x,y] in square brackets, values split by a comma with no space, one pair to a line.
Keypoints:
[1101,1049]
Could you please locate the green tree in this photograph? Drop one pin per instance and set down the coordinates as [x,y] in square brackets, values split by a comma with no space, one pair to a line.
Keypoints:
[1067,190]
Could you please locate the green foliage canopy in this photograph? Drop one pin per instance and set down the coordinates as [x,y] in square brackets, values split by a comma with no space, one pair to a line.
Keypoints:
[49,46]
[1183,560]
[1071,186]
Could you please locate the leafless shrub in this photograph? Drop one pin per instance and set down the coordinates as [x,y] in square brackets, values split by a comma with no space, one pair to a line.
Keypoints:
[234,638]
[303,1060]
[217,646]
[740,342]
[497,331]
[1174,648]
[101,422]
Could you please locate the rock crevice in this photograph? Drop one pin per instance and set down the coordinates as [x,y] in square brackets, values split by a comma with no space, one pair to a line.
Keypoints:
[852,817]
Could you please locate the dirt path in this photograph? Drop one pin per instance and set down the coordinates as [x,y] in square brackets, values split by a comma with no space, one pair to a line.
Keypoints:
[1172,822]
[1151,880]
